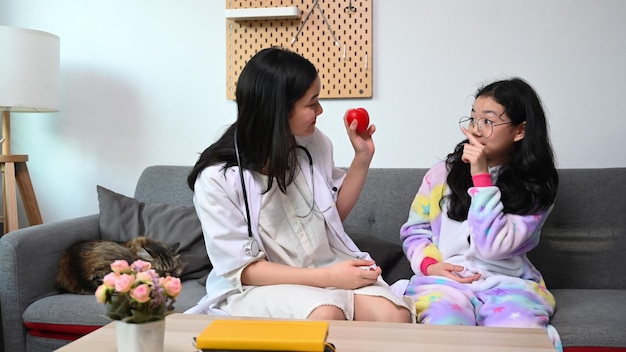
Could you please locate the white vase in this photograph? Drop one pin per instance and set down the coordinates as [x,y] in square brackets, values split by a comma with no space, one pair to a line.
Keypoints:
[146,337]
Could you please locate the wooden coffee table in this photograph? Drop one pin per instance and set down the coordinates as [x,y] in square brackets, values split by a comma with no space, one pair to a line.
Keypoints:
[350,336]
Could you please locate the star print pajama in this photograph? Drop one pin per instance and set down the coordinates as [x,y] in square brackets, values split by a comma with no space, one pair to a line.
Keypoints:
[497,301]
[500,301]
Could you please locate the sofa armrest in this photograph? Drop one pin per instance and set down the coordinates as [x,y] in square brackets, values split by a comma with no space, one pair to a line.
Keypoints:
[29,259]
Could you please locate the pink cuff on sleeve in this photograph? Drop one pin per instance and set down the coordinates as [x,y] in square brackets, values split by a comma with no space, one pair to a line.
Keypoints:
[428,261]
[482,180]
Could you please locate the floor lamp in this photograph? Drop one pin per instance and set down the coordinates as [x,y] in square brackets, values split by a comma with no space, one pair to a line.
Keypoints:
[29,82]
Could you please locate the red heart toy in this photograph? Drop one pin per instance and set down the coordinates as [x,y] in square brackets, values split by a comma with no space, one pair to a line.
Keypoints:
[362,118]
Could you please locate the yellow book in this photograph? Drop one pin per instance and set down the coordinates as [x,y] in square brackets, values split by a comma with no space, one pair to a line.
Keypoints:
[264,335]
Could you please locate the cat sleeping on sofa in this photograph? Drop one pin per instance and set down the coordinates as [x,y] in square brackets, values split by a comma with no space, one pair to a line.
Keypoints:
[85,263]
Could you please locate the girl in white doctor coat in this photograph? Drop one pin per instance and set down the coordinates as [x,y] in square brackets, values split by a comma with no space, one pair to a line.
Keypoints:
[271,204]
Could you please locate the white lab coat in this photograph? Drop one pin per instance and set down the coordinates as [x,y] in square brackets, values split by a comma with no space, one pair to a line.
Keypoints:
[219,203]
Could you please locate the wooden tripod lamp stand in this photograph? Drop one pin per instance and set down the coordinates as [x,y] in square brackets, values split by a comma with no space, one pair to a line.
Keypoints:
[29,82]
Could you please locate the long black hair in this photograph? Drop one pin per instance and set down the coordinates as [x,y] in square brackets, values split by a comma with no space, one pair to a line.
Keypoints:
[529,180]
[267,88]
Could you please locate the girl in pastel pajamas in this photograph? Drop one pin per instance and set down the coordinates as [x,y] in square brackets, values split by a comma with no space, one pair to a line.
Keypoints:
[479,212]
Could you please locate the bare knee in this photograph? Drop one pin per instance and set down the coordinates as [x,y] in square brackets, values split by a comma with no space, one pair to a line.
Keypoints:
[389,312]
[398,315]
[327,313]
[372,308]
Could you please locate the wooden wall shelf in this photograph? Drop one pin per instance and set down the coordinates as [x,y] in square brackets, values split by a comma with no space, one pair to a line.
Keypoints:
[265,13]
[343,57]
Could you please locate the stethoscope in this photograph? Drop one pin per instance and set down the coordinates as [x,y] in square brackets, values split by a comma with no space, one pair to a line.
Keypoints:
[252,247]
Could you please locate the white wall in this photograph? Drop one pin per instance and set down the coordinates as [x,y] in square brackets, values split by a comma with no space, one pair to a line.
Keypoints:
[143,83]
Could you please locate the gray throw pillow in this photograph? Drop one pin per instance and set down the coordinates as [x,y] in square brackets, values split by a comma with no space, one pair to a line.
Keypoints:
[123,218]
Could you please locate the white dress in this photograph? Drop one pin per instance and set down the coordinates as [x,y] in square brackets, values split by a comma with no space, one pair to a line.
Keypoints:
[295,235]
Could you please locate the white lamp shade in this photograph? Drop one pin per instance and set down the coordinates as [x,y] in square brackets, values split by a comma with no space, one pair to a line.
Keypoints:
[29,70]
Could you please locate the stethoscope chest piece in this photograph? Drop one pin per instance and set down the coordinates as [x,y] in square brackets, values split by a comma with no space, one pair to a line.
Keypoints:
[252,247]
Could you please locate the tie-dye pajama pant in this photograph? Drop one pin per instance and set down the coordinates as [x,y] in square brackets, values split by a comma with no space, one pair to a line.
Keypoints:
[497,301]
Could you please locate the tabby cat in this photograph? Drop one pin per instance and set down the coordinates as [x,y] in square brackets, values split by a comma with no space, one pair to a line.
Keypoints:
[85,263]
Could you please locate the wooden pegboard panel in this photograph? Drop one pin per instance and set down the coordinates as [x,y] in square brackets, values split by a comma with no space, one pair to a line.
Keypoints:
[345,71]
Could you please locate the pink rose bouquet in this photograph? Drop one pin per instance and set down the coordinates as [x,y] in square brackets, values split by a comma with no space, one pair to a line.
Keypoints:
[136,294]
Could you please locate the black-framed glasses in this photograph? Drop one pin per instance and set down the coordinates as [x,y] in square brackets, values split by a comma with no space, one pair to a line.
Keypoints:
[485,127]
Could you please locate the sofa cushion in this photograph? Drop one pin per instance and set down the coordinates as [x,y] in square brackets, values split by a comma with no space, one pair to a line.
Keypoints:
[123,218]
[578,257]
[592,318]
[69,316]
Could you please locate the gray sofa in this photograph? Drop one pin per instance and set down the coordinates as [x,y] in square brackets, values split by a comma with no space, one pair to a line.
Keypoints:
[580,254]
